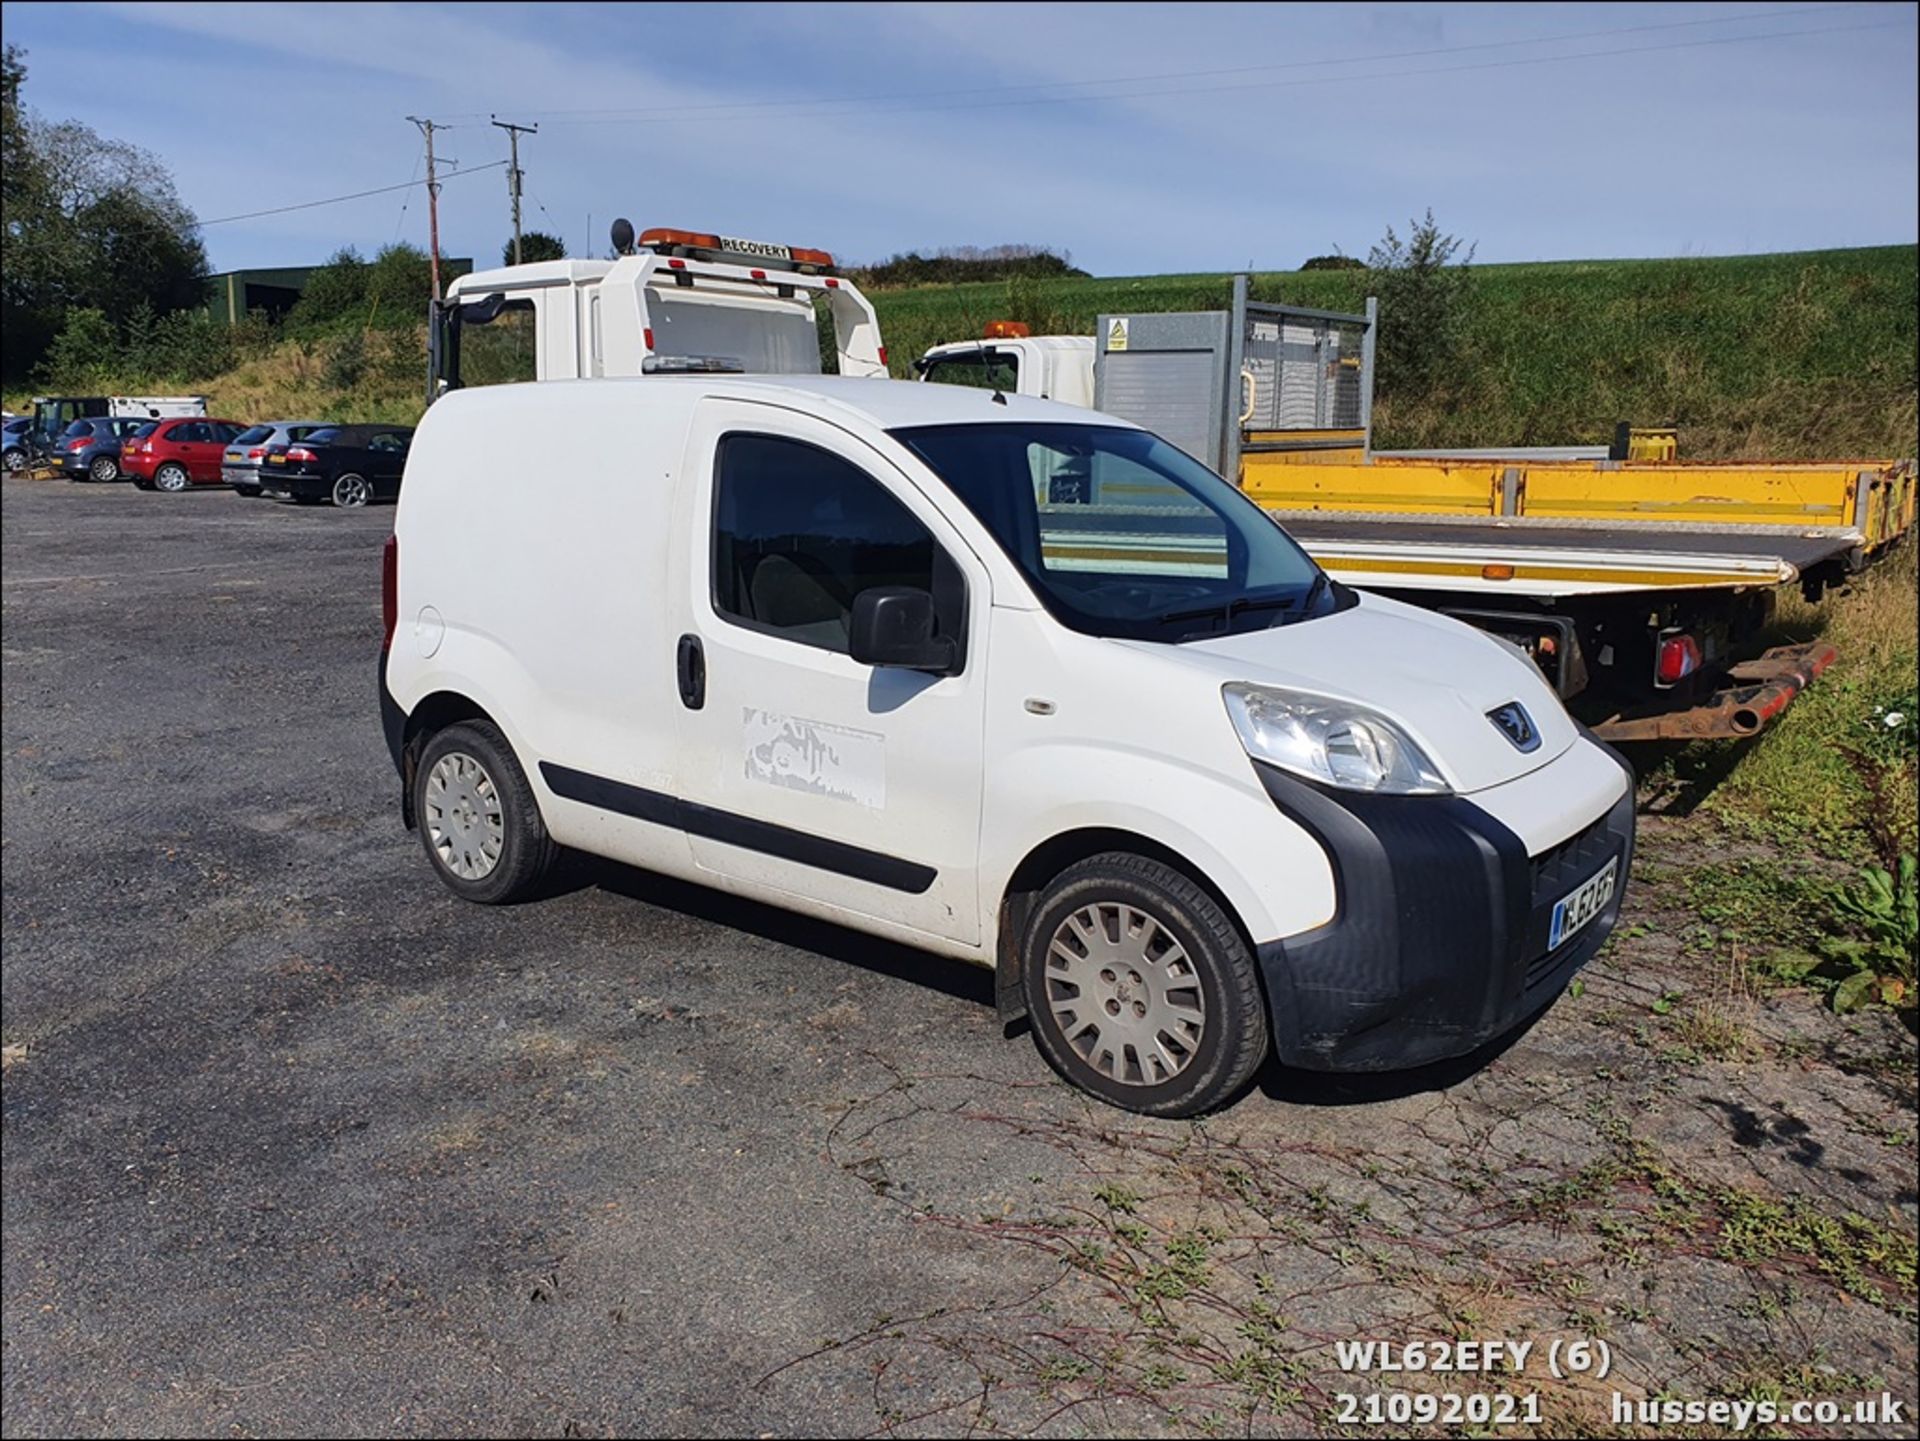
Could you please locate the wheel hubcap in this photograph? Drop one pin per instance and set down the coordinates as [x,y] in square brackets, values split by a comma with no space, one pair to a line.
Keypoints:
[351,491]
[464,820]
[103,469]
[1125,994]
[173,480]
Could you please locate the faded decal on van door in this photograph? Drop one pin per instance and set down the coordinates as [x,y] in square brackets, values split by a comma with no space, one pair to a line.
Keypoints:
[815,757]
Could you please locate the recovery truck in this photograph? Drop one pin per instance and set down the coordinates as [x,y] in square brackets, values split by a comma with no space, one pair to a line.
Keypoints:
[671,301]
[1633,580]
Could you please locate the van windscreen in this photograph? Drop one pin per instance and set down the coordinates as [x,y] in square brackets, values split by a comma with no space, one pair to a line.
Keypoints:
[1122,534]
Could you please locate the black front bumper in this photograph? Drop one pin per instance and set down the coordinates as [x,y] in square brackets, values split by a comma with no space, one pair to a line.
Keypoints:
[1439,940]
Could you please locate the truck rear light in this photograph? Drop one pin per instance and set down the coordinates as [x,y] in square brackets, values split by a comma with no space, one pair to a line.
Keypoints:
[647,335]
[389,590]
[1679,656]
[883,355]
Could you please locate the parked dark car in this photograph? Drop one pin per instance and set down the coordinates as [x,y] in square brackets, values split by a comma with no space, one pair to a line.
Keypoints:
[19,443]
[90,449]
[349,465]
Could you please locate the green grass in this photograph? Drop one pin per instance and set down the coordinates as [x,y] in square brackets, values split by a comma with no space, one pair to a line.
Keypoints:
[1799,355]
[1797,783]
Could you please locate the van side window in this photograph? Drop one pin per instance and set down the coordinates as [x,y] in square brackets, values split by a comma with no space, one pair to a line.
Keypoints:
[798,533]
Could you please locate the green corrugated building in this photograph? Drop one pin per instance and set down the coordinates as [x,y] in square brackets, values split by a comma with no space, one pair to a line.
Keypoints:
[231,294]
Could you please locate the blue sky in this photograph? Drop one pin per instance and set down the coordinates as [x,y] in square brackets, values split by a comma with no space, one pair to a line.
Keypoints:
[1142,138]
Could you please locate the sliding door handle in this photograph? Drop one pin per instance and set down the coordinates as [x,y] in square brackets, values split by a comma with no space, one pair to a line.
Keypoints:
[693,673]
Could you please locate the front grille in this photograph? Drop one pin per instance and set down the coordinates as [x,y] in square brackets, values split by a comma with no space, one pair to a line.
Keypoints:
[1555,872]
[1558,869]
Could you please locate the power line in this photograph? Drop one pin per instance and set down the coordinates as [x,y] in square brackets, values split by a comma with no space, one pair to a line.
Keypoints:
[400,222]
[340,199]
[685,119]
[675,111]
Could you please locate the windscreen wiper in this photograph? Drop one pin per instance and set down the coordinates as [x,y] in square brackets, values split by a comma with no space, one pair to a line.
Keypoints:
[1313,592]
[1240,605]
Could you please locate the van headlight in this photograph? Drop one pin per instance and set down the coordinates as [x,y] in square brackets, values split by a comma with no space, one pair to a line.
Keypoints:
[1334,742]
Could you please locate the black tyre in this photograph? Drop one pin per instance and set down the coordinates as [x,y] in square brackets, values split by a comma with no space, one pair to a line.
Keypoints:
[351,492]
[143,485]
[478,820]
[1140,988]
[103,468]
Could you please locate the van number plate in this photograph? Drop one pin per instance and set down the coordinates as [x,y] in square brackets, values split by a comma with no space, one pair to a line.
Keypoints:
[1583,904]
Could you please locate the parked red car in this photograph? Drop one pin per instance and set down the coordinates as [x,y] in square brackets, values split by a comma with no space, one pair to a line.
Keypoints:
[177,454]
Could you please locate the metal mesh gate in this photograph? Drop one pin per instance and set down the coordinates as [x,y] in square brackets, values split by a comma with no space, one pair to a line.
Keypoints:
[1303,370]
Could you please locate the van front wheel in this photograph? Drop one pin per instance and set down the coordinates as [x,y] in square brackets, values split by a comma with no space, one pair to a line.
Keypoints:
[1141,989]
[477,816]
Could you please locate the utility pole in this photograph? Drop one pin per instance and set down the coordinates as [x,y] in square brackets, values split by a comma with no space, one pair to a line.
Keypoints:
[427,127]
[514,132]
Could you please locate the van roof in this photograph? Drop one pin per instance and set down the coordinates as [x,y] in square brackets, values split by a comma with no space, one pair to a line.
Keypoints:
[888,404]
[858,403]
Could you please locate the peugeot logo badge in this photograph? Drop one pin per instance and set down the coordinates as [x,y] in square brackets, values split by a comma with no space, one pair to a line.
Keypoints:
[1516,725]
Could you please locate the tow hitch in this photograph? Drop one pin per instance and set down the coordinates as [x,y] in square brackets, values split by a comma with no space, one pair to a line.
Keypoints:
[1762,688]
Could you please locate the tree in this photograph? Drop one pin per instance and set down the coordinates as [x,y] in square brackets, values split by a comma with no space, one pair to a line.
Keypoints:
[333,292]
[399,285]
[535,245]
[90,223]
[1423,294]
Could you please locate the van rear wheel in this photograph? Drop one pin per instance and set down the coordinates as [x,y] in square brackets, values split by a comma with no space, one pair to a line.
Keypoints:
[1141,989]
[478,819]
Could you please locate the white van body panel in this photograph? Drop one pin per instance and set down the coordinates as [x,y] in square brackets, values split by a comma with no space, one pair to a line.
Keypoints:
[812,740]
[542,599]
[1101,760]
[1437,677]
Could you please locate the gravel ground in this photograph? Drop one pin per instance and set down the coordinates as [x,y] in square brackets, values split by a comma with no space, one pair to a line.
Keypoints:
[295,1143]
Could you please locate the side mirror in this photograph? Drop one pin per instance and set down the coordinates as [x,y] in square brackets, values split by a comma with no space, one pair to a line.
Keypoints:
[892,625]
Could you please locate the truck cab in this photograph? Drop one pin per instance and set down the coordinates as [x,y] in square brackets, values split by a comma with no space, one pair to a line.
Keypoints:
[670,301]
[1008,358]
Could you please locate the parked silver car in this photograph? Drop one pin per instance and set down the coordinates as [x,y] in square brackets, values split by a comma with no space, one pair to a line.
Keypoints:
[240,463]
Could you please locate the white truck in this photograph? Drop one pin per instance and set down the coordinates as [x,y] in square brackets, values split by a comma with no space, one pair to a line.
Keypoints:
[672,301]
[1010,358]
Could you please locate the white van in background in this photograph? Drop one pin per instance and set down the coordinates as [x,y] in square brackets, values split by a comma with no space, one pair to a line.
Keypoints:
[1005,679]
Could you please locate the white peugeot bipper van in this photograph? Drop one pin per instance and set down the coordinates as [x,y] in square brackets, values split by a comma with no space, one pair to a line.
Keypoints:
[1005,679]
